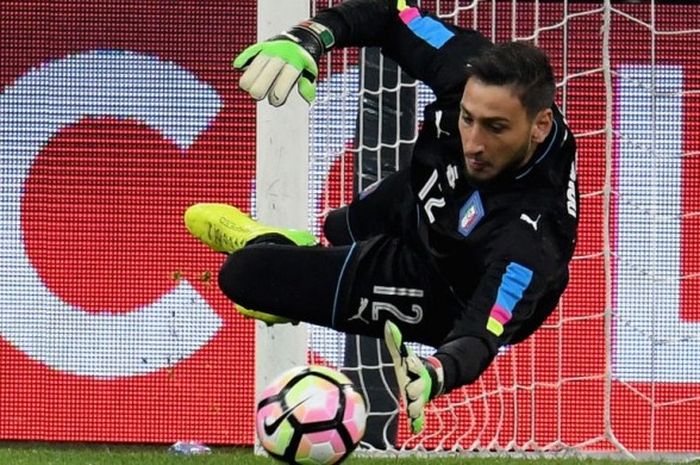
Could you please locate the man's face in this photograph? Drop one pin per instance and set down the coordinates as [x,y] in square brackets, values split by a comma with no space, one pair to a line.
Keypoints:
[497,135]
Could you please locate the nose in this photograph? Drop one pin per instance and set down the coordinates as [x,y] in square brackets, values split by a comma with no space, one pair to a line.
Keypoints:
[471,140]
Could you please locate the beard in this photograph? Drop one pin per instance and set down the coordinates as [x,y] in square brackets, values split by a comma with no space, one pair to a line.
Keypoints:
[517,160]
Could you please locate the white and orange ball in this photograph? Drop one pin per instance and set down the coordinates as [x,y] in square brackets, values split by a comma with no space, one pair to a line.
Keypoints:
[310,415]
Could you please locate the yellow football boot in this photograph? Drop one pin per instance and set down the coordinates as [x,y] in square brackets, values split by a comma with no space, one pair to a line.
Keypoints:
[224,228]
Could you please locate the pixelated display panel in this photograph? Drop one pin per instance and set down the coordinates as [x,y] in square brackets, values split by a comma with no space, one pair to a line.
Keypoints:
[117,115]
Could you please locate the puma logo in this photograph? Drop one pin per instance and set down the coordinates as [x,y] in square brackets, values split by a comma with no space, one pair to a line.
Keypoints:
[438,120]
[530,221]
[358,316]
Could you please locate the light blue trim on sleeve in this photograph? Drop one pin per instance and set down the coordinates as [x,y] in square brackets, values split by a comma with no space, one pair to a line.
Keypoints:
[513,284]
[433,32]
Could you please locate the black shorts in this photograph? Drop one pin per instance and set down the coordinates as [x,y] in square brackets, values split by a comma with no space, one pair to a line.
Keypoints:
[385,278]
[387,273]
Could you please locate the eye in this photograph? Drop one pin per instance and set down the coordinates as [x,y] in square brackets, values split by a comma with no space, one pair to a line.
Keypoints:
[466,119]
[497,128]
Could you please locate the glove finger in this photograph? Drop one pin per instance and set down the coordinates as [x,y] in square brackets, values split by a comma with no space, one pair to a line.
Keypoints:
[417,424]
[286,79]
[243,59]
[253,74]
[307,89]
[259,85]
[415,390]
[268,75]
[392,340]
[415,409]
[415,365]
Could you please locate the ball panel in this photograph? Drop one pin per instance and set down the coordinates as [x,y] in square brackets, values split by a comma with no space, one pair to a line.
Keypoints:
[278,434]
[267,413]
[322,405]
[309,384]
[355,415]
[325,447]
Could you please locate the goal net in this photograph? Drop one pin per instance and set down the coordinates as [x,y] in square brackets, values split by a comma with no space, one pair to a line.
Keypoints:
[614,369]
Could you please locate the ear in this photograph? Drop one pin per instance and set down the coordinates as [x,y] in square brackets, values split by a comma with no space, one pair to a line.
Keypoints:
[541,125]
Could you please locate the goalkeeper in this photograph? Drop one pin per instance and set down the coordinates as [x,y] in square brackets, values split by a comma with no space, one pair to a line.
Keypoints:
[466,250]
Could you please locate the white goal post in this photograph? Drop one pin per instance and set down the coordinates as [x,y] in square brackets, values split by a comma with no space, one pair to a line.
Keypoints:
[281,189]
[614,371]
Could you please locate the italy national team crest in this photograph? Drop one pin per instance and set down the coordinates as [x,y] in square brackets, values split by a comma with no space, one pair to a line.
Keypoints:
[470,214]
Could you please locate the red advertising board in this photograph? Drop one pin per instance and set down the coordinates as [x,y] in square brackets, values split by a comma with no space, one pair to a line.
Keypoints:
[118,115]
[99,164]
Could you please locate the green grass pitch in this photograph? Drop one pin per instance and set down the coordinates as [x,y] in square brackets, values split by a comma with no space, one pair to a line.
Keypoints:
[22,453]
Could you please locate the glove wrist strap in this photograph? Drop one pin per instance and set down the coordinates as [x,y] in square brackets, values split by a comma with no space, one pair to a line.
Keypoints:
[437,375]
[313,37]
[324,35]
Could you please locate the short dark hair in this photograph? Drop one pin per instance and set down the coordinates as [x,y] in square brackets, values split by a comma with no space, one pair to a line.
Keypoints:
[521,65]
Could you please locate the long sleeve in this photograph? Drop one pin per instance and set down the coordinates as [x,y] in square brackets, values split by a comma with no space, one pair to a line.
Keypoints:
[427,48]
[358,23]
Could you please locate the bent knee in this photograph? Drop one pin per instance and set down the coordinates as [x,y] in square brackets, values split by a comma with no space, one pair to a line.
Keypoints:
[335,227]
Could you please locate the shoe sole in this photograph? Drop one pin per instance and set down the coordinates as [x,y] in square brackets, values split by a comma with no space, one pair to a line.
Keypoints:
[267,318]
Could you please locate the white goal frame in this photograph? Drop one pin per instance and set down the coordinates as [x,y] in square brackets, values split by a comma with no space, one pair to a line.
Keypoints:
[281,189]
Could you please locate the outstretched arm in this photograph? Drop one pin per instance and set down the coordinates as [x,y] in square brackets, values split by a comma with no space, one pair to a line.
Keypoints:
[427,48]
[526,275]
[359,23]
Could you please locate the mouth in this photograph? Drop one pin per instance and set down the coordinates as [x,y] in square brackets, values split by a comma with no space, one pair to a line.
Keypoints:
[475,164]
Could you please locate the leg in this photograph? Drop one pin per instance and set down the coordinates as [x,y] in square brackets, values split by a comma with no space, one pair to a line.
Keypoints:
[224,228]
[353,289]
[299,283]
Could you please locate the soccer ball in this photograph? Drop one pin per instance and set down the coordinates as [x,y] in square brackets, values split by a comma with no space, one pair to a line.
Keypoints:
[310,415]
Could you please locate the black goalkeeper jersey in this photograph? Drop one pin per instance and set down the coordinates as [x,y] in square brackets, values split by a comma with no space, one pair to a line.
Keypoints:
[503,249]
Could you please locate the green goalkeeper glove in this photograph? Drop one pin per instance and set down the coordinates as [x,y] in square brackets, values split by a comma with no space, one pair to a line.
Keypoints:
[419,380]
[274,66]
